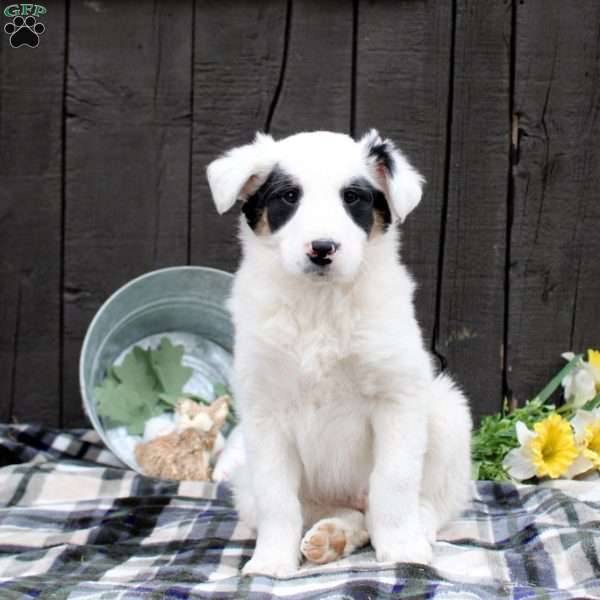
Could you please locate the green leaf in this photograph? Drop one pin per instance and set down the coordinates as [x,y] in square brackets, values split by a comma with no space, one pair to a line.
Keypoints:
[555,382]
[137,372]
[109,404]
[592,404]
[166,363]
[144,385]
[141,415]
[169,399]
[496,435]
[198,399]
[121,404]
[220,390]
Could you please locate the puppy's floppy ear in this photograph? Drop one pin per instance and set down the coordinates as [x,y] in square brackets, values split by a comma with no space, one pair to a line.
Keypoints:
[400,181]
[239,172]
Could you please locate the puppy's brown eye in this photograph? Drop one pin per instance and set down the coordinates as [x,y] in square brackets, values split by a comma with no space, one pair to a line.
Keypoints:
[351,197]
[290,196]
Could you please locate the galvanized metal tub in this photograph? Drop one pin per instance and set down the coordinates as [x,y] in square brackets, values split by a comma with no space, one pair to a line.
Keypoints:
[185,303]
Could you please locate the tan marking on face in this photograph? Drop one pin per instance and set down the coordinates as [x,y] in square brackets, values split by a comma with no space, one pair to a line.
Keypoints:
[250,187]
[262,227]
[378,225]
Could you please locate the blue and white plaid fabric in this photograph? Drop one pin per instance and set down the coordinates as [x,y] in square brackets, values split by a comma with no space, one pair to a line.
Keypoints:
[75,524]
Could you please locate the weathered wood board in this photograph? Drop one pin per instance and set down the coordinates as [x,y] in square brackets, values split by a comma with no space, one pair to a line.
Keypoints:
[107,127]
[31,149]
[127,160]
[554,291]
[239,48]
[402,88]
[316,79]
[471,319]
[254,71]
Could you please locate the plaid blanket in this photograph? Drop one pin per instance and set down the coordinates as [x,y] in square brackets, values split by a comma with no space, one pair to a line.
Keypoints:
[74,524]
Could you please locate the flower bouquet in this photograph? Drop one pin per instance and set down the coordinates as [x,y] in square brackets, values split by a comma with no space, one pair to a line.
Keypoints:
[542,440]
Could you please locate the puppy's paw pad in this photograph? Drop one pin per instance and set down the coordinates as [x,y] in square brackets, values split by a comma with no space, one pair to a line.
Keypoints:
[416,551]
[273,568]
[324,542]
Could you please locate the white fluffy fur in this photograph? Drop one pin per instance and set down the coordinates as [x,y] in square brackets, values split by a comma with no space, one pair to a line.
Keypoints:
[338,398]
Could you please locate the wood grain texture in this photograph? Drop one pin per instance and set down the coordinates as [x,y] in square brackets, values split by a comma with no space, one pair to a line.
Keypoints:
[471,327]
[554,292]
[31,107]
[127,164]
[316,87]
[238,56]
[402,84]
[155,91]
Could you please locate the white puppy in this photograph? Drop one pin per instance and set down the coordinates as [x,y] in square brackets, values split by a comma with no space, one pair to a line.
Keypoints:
[348,431]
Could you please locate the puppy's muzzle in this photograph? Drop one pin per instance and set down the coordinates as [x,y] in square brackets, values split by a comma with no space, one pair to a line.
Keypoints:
[321,251]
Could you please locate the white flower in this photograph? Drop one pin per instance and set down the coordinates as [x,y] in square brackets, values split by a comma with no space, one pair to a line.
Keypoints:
[581,383]
[518,462]
[580,387]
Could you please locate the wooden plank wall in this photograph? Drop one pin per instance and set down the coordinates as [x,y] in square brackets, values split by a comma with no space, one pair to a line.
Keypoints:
[107,126]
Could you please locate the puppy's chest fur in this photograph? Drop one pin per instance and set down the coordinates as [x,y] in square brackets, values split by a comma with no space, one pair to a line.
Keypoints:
[318,341]
[323,410]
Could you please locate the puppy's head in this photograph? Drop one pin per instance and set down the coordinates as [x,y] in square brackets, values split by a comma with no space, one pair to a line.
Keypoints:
[317,199]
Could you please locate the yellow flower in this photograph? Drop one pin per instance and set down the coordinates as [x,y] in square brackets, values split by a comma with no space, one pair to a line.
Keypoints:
[594,360]
[553,449]
[586,427]
[591,443]
[549,450]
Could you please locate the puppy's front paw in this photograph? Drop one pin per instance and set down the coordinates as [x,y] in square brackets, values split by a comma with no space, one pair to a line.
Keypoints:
[270,567]
[331,539]
[415,550]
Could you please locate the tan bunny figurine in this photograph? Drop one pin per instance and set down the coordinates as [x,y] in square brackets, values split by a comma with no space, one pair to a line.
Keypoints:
[184,454]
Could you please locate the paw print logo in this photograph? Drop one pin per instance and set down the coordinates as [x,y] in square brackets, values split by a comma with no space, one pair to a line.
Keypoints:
[24,32]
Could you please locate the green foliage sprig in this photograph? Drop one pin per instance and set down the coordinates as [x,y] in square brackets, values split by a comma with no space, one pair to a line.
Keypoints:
[143,386]
[146,384]
[497,433]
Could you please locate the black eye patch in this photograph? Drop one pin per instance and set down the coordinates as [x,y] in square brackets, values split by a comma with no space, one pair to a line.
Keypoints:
[278,197]
[363,202]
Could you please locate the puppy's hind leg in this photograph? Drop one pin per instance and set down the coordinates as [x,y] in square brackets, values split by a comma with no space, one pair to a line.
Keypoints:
[447,466]
[336,533]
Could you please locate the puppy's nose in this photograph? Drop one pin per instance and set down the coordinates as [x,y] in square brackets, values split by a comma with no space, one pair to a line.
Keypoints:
[323,248]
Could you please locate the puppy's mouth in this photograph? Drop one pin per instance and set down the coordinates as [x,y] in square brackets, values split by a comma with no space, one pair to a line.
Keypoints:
[318,266]
[321,261]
